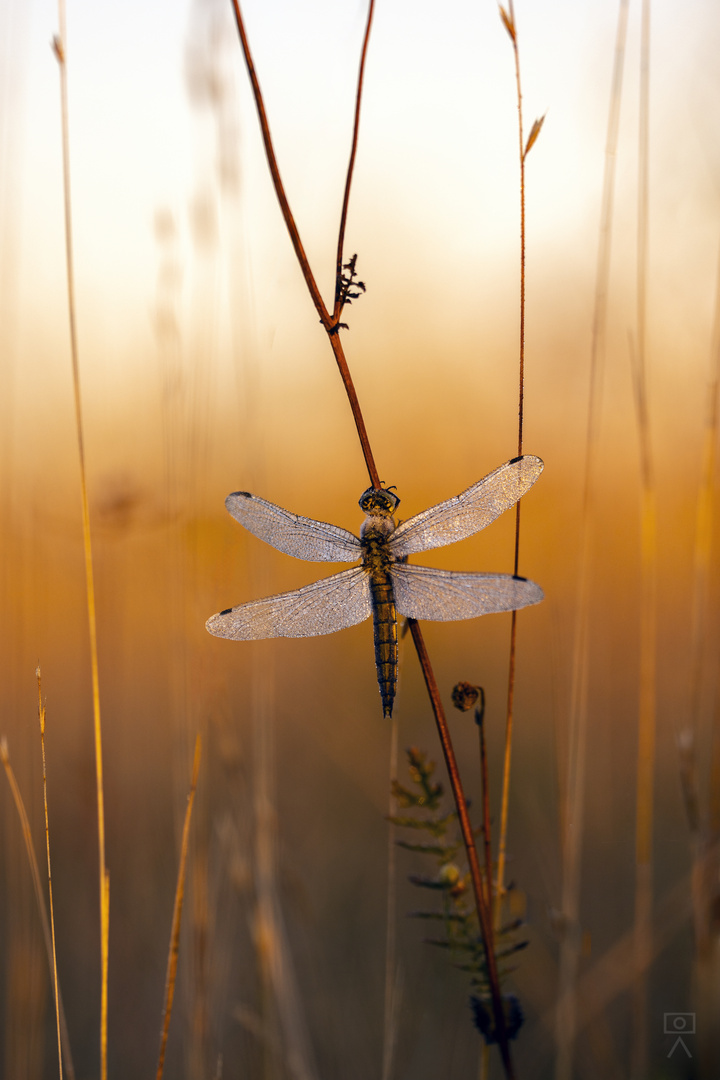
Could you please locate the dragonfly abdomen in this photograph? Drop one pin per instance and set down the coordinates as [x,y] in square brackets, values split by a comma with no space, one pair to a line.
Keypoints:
[385,631]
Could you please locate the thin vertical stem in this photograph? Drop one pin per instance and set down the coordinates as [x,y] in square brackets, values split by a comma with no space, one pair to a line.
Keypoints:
[573,823]
[351,166]
[56,989]
[171,973]
[509,715]
[391,980]
[648,625]
[60,49]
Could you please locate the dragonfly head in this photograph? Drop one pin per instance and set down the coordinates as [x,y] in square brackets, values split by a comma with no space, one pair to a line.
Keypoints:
[379,502]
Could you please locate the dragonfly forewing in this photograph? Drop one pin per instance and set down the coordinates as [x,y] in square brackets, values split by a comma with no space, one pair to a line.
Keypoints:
[327,605]
[467,513]
[423,592]
[301,537]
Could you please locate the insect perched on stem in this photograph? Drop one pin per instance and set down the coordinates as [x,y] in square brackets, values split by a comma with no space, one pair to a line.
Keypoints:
[384,585]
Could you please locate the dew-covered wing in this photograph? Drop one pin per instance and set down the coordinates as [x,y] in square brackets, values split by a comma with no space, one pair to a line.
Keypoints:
[422,592]
[294,535]
[465,514]
[321,608]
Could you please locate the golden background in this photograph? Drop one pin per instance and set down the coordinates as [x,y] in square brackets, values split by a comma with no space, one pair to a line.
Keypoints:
[204,370]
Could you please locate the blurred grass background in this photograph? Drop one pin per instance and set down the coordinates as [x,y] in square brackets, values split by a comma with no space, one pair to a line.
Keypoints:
[204,371]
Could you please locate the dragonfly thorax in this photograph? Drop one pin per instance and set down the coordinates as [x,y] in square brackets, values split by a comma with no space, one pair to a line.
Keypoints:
[379,505]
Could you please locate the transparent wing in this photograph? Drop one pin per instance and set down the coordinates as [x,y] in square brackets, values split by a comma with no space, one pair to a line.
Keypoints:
[299,536]
[321,608]
[465,514]
[422,592]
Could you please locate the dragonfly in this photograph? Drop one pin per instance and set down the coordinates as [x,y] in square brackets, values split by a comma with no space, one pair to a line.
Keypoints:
[384,585]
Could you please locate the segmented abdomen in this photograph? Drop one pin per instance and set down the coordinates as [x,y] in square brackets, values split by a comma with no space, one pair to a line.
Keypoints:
[385,630]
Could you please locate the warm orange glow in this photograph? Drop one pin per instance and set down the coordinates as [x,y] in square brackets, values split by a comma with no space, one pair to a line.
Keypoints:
[204,370]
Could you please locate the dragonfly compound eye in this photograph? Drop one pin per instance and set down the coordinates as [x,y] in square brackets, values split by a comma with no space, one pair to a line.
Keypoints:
[379,501]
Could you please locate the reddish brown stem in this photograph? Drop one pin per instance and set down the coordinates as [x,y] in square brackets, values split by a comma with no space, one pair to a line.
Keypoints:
[339,353]
[328,321]
[469,841]
[351,166]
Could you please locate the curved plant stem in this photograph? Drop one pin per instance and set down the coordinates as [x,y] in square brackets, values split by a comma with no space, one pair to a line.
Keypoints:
[59,46]
[326,319]
[351,166]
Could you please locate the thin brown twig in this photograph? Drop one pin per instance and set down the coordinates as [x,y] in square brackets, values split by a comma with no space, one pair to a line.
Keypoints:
[177,914]
[483,909]
[351,166]
[326,318]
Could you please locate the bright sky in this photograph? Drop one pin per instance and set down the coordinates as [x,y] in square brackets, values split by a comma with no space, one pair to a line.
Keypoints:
[434,215]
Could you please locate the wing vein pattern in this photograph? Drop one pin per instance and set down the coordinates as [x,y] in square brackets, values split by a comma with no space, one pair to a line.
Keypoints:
[323,607]
[423,592]
[301,537]
[467,513]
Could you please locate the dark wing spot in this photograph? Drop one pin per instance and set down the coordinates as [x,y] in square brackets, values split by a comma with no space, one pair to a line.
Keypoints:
[514,459]
[245,494]
[227,611]
[518,577]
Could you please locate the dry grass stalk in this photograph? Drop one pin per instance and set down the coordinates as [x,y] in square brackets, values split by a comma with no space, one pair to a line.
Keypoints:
[643,943]
[56,989]
[40,900]
[172,963]
[60,47]
[508,18]
[704,816]
[573,817]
